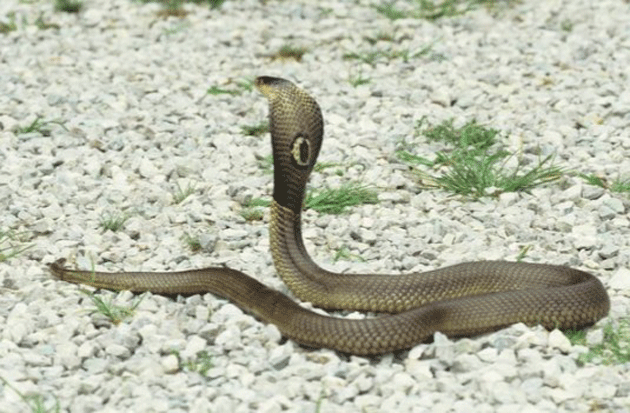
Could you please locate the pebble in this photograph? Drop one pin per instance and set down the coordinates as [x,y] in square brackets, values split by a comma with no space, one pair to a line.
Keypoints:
[194,345]
[592,192]
[620,280]
[129,118]
[559,341]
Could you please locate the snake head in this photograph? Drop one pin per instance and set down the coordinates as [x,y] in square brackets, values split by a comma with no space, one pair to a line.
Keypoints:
[297,130]
[270,86]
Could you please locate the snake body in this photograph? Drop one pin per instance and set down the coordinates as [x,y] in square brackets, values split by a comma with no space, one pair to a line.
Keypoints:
[460,300]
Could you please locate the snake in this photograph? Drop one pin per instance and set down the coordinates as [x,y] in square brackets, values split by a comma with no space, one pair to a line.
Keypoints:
[466,299]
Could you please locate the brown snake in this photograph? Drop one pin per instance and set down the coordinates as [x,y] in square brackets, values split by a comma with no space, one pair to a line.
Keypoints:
[461,300]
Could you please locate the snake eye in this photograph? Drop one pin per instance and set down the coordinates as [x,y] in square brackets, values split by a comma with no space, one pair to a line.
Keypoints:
[301,151]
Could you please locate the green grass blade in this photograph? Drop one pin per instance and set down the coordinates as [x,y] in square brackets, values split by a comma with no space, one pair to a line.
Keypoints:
[335,201]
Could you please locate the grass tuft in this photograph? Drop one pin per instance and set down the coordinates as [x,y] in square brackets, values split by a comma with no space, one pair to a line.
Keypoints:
[290,52]
[358,79]
[10,25]
[253,209]
[594,180]
[113,222]
[391,12]
[68,6]
[257,202]
[266,164]
[193,242]
[618,185]
[522,254]
[216,90]
[614,348]
[373,56]
[433,10]
[182,193]
[114,313]
[320,166]
[202,364]
[343,253]
[566,25]
[252,214]
[255,130]
[379,37]
[335,201]
[243,85]
[175,8]
[11,245]
[41,24]
[470,135]
[214,4]
[35,402]
[471,166]
[39,125]
[172,8]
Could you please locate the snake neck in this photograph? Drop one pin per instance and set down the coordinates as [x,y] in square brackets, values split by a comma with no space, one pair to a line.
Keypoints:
[293,263]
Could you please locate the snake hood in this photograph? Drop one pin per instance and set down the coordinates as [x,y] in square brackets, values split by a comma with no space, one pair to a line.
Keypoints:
[297,130]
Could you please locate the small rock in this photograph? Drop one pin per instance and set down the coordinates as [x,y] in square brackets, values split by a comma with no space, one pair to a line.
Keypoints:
[367,236]
[532,338]
[444,348]
[441,96]
[147,169]
[366,402]
[558,340]
[595,337]
[36,360]
[605,212]
[466,363]
[279,356]
[416,352]
[96,365]
[87,349]
[608,251]
[170,364]
[209,332]
[230,339]
[620,280]
[207,241]
[532,388]
[226,312]
[117,350]
[573,193]
[488,355]
[67,354]
[270,406]
[202,312]
[194,345]
[394,197]
[272,334]
[585,236]
[419,369]
[559,396]
[92,17]
[615,204]
[592,192]
[364,383]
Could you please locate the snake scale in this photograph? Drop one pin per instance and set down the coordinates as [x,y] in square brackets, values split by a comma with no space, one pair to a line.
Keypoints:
[460,300]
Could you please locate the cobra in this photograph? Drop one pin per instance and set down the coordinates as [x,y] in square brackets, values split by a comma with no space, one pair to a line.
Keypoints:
[460,300]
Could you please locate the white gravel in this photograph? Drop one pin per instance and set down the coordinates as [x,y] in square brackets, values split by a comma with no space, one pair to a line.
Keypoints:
[131,91]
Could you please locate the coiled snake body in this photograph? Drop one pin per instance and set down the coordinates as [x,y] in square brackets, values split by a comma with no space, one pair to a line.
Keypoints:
[460,300]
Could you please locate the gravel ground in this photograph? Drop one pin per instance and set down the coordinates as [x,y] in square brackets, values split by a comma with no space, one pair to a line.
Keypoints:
[125,92]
